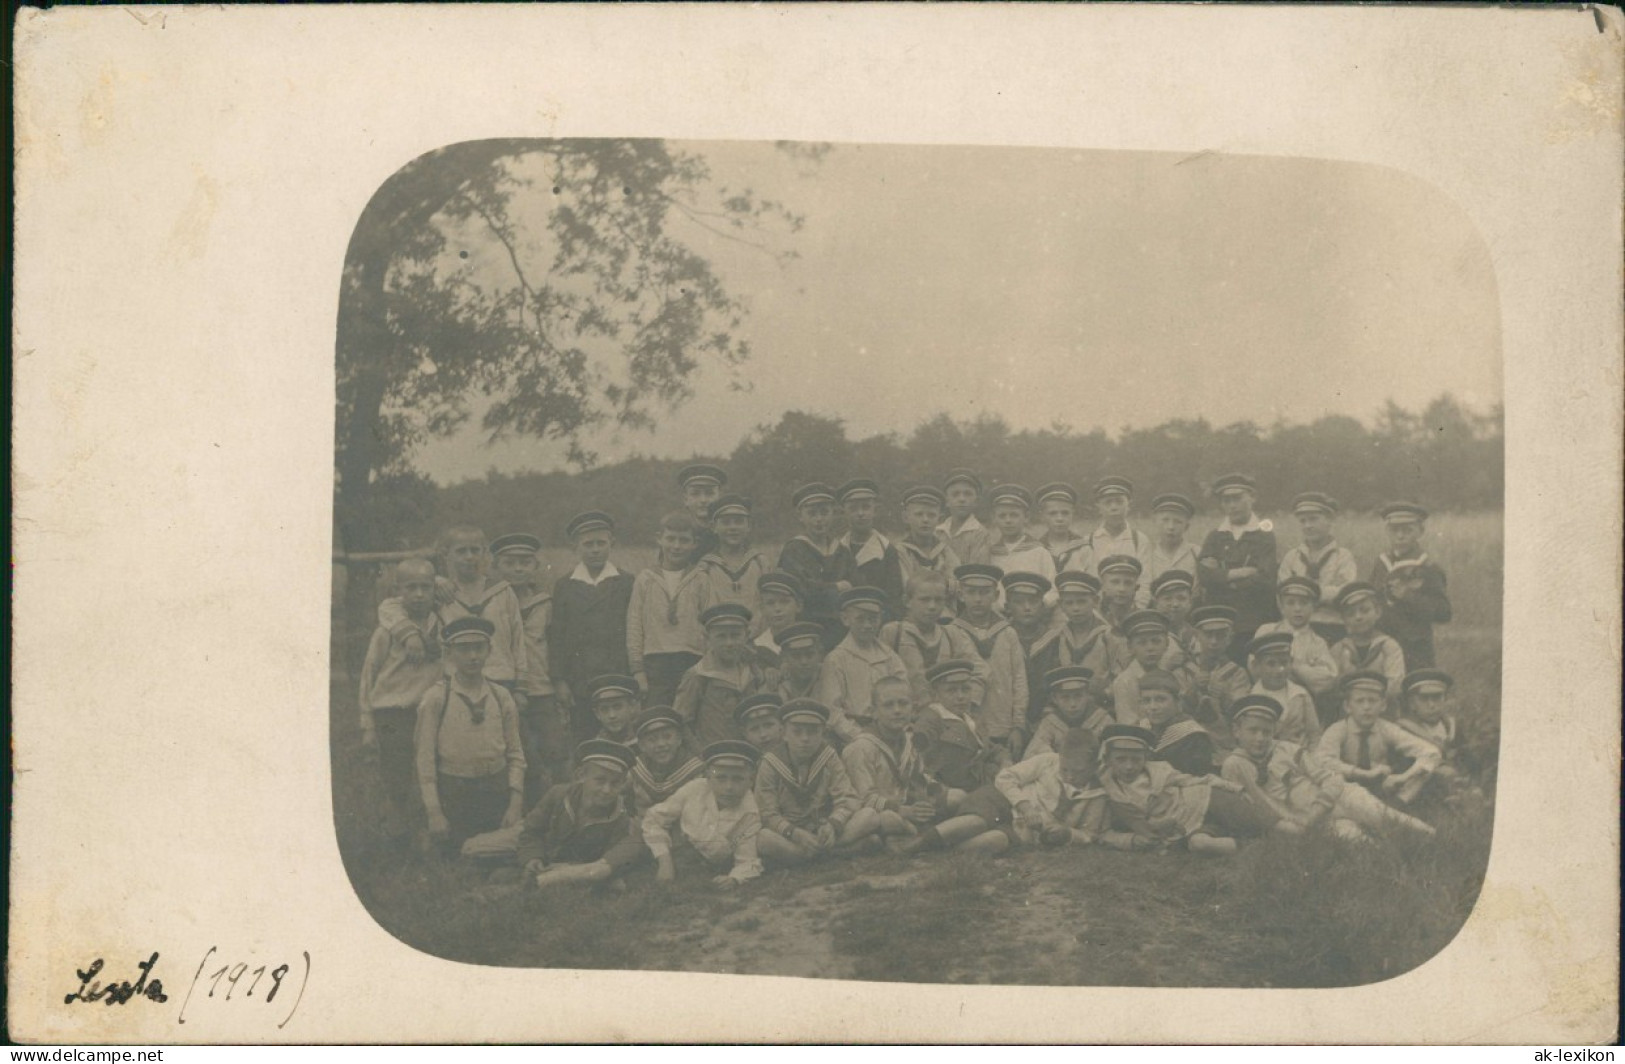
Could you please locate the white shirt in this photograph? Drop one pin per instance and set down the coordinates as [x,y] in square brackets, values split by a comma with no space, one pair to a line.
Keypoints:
[580,573]
[716,833]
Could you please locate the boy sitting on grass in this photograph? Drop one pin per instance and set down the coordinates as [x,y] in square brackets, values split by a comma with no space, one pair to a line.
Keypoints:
[977,817]
[1155,807]
[1312,664]
[716,820]
[1057,795]
[1363,747]
[809,809]
[1180,741]
[921,641]
[1069,710]
[1269,657]
[582,831]
[614,702]
[1284,781]
[470,760]
[1427,716]
[665,761]
[707,694]
[886,768]
[757,720]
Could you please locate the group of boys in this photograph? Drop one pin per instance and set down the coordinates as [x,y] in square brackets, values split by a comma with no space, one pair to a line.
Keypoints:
[960,686]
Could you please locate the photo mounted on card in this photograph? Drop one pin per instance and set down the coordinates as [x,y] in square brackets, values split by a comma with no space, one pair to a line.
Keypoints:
[637,506]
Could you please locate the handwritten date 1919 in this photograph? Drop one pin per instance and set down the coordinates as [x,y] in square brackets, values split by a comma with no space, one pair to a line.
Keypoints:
[242,979]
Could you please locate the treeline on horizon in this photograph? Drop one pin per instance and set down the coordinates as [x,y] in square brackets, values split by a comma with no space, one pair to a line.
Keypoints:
[1447,457]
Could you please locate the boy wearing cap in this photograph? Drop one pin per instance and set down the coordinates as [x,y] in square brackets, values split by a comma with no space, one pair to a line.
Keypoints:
[757,719]
[664,637]
[702,485]
[1147,634]
[809,809]
[392,685]
[665,760]
[1238,559]
[921,550]
[1320,559]
[1058,504]
[1114,535]
[582,831]
[708,692]
[542,725]
[1269,659]
[886,768]
[818,559]
[1154,806]
[1029,616]
[1413,586]
[470,761]
[1180,741]
[960,759]
[1363,747]
[1080,640]
[1069,710]
[1172,513]
[472,593]
[712,821]
[614,703]
[1004,702]
[1364,647]
[1212,679]
[921,641]
[972,541]
[1055,796]
[587,634]
[851,669]
[1119,590]
[800,672]
[733,567]
[1426,715]
[875,561]
[1312,664]
[1171,593]
[1013,550]
[779,594]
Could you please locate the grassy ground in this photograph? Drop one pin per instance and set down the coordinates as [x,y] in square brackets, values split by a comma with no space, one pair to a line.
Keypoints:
[1311,912]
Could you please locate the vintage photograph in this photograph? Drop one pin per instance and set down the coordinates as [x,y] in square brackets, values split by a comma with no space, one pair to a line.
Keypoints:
[917,563]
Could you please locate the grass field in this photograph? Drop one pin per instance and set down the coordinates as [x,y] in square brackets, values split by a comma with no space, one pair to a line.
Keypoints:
[1310,912]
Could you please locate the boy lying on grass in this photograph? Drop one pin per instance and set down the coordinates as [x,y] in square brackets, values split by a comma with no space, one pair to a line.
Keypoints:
[582,831]
[1155,807]
[712,823]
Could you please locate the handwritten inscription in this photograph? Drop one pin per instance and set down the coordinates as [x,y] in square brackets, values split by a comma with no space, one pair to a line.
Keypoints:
[241,980]
[91,989]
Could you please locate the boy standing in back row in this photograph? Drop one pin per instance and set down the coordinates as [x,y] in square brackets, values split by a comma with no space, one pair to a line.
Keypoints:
[1414,587]
[587,635]
[875,562]
[920,550]
[1320,559]
[818,560]
[702,485]
[733,568]
[1238,564]
[1115,536]
[664,636]
[971,540]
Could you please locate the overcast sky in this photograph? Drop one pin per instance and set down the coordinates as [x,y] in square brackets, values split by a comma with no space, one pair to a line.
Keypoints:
[1094,289]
